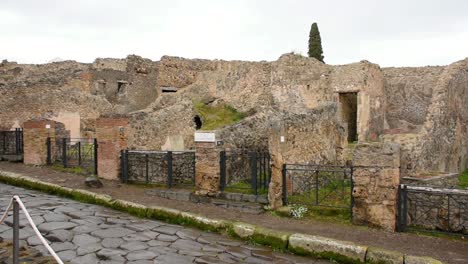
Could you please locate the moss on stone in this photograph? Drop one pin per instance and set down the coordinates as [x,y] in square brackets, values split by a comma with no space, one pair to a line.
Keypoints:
[332,256]
[276,239]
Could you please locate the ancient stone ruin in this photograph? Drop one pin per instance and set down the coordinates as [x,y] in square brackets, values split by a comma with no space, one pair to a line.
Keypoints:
[413,121]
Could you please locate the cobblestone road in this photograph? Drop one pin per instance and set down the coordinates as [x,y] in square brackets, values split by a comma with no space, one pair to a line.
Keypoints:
[83,233]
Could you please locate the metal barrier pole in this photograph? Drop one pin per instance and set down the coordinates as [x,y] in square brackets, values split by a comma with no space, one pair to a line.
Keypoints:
[95,156]
[15,232]
[222,166]
[122,166]
[352,190]
[285,189]
[126,166]
[169,169]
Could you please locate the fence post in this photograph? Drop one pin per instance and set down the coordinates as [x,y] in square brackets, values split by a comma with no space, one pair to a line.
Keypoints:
[64,152]
[15,231]
[253,170]
[122,166]
[49,151]
[147,168]
[222,167]
[79,153]
[17,141]
[399,209]
[126,166]
[405,208]
[169,169]
[95,156]
[285,188]
[352,190]
[316,187]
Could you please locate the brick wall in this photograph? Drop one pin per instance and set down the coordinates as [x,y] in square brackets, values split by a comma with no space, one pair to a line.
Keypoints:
[111,134]
[35,136]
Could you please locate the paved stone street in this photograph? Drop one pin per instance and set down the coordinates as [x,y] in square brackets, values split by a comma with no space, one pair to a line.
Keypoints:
[83,233]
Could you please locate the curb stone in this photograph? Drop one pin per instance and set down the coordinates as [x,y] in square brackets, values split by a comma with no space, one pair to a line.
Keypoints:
[341,251]
[348,252]
[379,255]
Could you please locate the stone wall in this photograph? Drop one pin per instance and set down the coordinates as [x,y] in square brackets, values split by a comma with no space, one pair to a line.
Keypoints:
[67,89]
[376,178]
[315,137]
[207,171]
[408,93]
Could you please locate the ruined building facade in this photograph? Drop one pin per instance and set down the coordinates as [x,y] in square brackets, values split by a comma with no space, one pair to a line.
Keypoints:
[319,107]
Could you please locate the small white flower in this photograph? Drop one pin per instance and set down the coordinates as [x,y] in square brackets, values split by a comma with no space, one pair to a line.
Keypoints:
[298,211]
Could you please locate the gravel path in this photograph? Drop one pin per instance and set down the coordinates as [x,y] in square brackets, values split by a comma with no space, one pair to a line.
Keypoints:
[83,233]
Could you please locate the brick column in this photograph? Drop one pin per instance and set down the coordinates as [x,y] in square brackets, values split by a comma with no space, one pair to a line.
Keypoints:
[376,179]
[111,134]
[207,168]
[35,135]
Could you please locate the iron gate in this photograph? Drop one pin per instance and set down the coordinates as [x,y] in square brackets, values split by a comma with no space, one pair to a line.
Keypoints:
[432,209]
[11,142]
[245,171]
[318,185]
[168,168]
[73,152]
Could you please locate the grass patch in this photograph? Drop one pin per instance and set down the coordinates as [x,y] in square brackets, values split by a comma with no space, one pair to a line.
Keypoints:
[217,116]
[245,187]
[74,170]
[463,179]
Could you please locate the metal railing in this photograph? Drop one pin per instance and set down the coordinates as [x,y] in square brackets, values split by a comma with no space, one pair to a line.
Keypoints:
[11,142]
[168,168]
[432,209]
[245,171]
[73,152]
[318,185]
[17,204]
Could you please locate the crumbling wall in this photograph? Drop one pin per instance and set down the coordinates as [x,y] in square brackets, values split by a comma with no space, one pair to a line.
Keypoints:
[408,92]
[63,89]
[365,79]
[445,132]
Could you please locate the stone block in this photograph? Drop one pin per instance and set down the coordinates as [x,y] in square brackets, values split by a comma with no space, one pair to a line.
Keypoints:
[327,248]
[243,230]
[382,256]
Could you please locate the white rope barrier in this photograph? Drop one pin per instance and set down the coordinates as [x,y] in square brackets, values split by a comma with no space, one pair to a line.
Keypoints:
[5,215]
[33,226]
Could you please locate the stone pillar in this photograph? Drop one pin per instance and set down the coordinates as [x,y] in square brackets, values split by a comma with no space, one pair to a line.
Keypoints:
[275,190]
[35,135]
[376,178]
[111,134]
[207,168]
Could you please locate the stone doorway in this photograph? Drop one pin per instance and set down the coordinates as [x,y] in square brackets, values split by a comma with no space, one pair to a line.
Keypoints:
[348,106]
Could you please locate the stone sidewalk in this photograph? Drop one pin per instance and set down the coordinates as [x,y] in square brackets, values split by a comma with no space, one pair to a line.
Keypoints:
[83,233]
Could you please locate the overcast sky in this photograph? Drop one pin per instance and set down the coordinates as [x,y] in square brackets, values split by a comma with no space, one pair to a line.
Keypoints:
[390,33]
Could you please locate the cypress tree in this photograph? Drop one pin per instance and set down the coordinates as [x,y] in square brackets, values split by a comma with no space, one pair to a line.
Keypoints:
[315,43]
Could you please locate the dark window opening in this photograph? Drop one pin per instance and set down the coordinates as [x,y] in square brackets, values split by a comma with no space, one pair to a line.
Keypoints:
[121,86]
[198,122]
[169,90]
[348,104]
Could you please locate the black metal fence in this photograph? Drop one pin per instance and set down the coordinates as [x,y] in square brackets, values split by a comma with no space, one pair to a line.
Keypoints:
[11,142]
[318,185]
[245,171]
[433,209]
[73,152]
[168,168]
